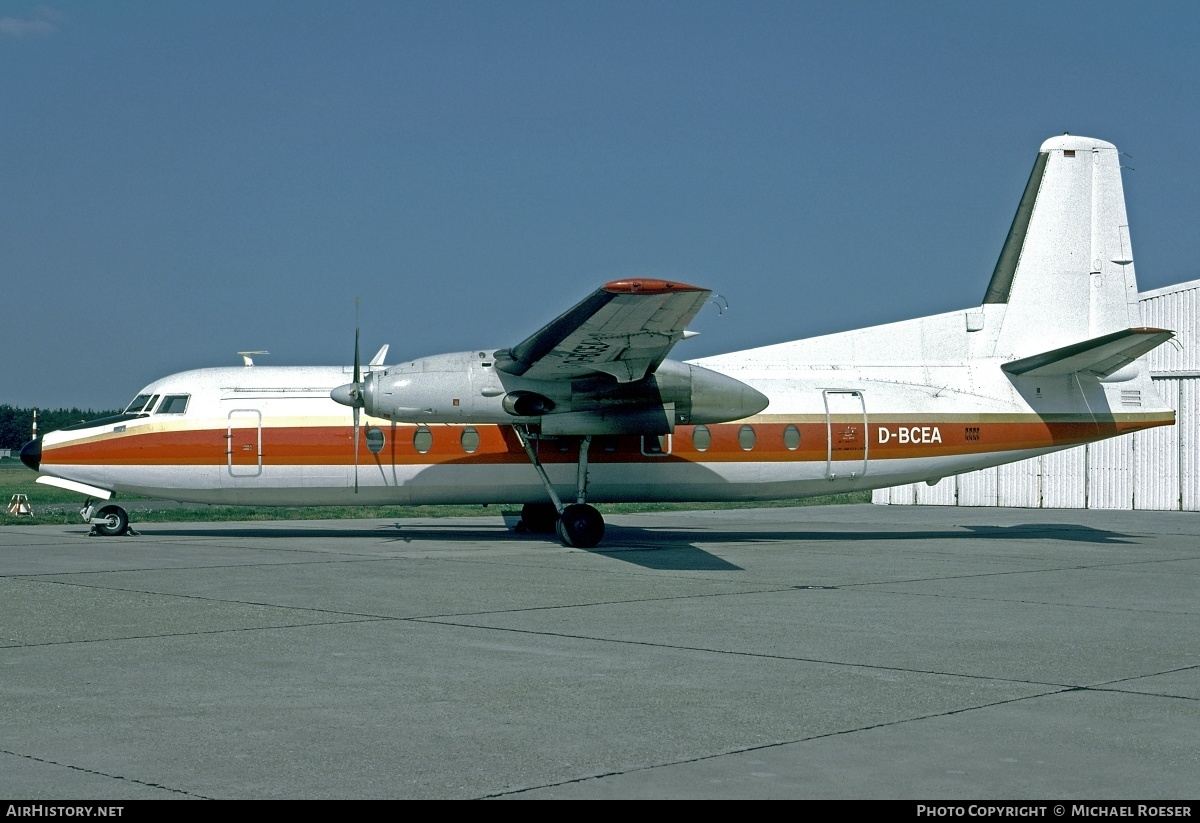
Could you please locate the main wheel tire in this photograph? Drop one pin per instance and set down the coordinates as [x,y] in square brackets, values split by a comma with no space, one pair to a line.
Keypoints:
[539,518]
[113,521]
[580,526]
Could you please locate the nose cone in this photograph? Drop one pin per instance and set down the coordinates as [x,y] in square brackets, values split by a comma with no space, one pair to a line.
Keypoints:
[31,453]
[348,395]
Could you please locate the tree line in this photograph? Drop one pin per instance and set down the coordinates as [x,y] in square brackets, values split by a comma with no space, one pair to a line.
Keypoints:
[16,425]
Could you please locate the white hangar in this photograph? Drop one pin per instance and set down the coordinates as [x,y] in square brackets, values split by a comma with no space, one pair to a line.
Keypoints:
[1153,469]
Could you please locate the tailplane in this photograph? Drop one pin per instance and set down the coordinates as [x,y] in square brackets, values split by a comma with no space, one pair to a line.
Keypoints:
[1099,357]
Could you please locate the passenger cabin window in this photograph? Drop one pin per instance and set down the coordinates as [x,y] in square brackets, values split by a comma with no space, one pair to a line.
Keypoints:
[174,404]
[791,437]
[747,437]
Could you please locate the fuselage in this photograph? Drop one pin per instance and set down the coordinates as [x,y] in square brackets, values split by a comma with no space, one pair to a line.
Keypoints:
[911,401]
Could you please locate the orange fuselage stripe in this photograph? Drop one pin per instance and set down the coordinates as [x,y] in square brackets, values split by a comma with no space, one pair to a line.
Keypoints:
[333,445]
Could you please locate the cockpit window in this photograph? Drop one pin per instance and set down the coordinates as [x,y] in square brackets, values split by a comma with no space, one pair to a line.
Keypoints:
[142,404]
[174,404]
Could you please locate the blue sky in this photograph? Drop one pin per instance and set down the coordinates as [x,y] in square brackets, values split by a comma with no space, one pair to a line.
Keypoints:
[184,180]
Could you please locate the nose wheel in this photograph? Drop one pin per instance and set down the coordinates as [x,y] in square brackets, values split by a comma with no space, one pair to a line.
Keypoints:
[110,521]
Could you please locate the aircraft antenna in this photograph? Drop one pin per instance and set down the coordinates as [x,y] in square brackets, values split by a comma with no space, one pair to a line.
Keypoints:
[246,357]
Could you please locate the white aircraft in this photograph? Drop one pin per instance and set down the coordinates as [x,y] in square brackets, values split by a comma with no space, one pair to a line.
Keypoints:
[588,408]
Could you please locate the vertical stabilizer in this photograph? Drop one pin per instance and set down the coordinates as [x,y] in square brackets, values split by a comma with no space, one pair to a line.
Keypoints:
[1066,273]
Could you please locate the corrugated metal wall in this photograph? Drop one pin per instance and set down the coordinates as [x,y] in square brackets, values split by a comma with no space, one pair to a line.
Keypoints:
[1157,469]
[1188,425]
[976,489]
[1176,308]
[1156,458]
[1064,479]
[1110,473]
[1019,485]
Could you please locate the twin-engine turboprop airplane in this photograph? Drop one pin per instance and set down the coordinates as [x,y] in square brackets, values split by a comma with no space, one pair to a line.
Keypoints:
[589,409]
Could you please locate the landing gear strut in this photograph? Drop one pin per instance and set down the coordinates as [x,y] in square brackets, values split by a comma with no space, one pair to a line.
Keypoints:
[578,524]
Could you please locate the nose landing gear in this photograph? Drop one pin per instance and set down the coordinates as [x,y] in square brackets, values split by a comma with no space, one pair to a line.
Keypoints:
[108,521]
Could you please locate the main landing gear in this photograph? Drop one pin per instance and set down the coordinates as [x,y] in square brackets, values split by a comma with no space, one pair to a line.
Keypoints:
[107,521]
[578,525]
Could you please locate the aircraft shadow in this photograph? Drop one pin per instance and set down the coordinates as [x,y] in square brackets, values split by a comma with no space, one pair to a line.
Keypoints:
[1053,531]
[664,549]
[648,548]
[1032,531]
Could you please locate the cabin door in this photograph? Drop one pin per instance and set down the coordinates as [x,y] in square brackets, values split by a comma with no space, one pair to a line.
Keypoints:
[244,439]
[845,434]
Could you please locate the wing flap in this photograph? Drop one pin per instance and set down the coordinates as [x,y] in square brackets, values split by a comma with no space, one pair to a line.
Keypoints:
[625,329]
[1100,356]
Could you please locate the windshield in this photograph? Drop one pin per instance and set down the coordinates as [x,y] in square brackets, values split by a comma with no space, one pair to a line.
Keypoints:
[143,403]
[174,404]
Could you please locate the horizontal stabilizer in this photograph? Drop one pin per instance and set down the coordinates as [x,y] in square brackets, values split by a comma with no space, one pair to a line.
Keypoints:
[1100,356]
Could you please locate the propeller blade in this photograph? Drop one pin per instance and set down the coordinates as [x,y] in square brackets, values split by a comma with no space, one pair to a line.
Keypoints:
[357,366]
[351,394]
[358,388]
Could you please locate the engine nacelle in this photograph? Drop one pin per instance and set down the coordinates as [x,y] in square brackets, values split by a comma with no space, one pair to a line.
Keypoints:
[704,396]
[465,387]
[434,389]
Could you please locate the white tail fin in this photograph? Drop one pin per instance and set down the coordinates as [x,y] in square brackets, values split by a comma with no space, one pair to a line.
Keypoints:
[1066,270]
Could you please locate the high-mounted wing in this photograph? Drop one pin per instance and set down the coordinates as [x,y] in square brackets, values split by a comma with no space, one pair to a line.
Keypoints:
[625,329]
[600,368]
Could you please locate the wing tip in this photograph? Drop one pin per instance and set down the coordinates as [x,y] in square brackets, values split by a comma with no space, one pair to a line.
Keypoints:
[642,285]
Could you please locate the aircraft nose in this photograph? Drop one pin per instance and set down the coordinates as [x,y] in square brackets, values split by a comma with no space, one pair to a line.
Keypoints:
[31,453]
